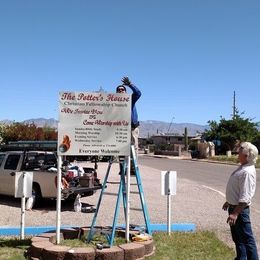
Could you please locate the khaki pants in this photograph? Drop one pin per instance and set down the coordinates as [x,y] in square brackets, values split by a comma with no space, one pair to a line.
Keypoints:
[134,139]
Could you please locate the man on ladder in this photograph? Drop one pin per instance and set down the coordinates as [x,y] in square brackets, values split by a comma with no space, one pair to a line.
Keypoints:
[124,182]
[134,116]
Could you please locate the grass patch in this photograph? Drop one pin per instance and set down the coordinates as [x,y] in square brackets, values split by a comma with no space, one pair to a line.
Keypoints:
[232,158]
[13,249]
[224,158]
[178,246]
[97,239]
[197,245]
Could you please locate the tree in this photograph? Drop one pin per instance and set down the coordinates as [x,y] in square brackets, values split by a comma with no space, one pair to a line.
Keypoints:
[24,132]
[256,141]
[230,132]
[2,130]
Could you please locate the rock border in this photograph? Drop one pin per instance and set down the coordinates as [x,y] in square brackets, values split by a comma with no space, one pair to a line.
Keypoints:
[44,247]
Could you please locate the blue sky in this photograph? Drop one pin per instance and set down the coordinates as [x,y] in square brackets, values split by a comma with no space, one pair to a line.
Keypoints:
[187,57]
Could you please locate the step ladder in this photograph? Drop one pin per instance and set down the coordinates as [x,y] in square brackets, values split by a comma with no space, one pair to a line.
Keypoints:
[121,195]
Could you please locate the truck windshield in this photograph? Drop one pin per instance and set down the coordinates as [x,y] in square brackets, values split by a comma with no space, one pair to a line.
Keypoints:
[36,160]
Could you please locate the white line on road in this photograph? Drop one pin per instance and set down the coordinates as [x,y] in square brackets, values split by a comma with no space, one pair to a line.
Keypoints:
[219,192]
[223,195]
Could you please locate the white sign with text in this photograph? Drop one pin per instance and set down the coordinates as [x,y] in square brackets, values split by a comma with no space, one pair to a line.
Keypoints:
[94,123]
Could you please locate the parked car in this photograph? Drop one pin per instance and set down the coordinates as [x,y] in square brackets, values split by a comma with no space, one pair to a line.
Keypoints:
[43,164]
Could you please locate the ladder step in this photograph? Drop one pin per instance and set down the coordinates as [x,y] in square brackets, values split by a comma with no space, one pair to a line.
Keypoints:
[111,193]
[134,192]
[113,182]
[136,209]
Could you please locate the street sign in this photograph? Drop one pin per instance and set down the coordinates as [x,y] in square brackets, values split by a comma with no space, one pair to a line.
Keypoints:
[23,184]
[168,182]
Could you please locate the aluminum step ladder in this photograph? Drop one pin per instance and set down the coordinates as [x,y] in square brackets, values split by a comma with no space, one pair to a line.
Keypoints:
[121,194]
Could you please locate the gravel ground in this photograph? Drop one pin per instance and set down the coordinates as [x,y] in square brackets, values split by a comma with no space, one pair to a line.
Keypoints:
[193,203]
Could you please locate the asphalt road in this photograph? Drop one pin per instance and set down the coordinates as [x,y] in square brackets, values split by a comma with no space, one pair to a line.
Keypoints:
[212,175]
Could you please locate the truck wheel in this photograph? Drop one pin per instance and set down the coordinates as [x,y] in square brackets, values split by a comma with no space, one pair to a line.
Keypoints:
[36,195]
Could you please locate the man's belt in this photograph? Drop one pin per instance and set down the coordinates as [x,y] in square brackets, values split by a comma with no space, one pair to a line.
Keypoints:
[134,125]
[233,206]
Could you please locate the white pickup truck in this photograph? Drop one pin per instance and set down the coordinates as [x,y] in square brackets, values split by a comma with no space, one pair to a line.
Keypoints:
[44,167]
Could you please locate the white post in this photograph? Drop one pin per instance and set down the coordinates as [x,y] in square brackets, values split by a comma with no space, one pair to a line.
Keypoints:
[168,188]
[58,203]
[169,212]
[128,198]
[23,208]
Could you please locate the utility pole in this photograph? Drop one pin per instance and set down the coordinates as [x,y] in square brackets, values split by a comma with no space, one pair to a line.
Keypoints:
[234,105]
[170,125]
[186,139]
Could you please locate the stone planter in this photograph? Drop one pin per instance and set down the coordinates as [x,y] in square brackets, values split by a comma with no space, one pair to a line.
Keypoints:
[43,247]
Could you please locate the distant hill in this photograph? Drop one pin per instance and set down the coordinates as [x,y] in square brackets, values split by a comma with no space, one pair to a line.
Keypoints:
[147,128]
[152,127]
[41,122]
[51,122]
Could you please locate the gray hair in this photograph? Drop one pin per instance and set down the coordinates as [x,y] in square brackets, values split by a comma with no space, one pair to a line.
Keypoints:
[251,151]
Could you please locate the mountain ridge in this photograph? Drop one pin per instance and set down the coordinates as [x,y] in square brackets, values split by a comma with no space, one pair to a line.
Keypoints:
[147,127]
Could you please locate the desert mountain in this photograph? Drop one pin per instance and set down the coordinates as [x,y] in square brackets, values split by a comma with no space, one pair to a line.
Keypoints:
[147,128]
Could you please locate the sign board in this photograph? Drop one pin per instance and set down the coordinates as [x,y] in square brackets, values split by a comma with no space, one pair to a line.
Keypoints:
[23,184]
[95,123]
[168,182]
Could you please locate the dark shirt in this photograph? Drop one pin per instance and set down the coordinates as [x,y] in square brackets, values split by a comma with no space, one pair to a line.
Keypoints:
[135,96]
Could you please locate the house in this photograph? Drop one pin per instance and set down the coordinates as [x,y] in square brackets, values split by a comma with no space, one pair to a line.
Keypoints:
[173,144]
[168,139]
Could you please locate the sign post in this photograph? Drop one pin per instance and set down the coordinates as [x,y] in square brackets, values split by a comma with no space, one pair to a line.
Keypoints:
[58,202]
[23,189]
[168,188]
[128,198]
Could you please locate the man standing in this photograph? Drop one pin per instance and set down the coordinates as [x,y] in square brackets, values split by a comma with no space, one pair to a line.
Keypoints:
[134,116]
[239,193]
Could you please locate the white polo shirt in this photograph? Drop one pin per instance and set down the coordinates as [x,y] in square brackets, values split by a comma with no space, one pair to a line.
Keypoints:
[241,185]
